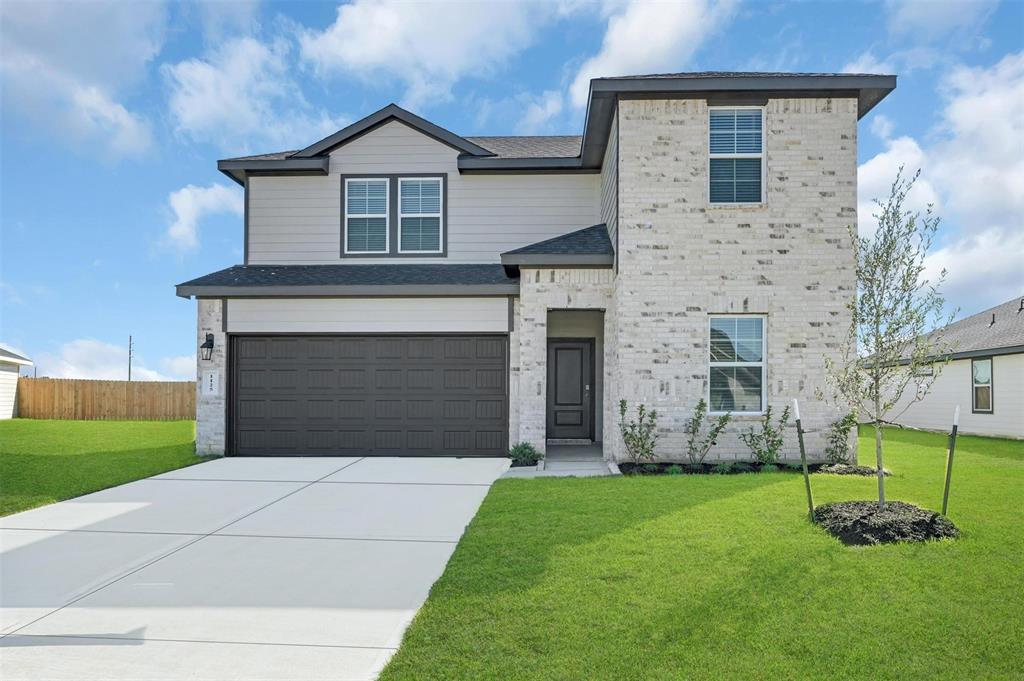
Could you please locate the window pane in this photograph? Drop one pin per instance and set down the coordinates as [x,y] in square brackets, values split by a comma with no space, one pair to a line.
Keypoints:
[982,371]
[421,196]
[367,197]
[736,388]
[421,234]
[723,339]
[366,234]
[735,131]
[735,180]
[983,398]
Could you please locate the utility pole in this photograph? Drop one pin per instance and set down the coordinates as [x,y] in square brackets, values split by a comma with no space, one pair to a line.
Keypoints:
[129,358]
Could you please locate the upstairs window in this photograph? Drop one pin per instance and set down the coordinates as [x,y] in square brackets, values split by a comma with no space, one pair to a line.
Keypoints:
[981,385]
[736,155]
[366,216]
[736,378]
[420,219]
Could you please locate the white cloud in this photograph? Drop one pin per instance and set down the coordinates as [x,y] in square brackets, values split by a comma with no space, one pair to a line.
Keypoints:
[975,164]
[539,111]
[427,46]
[223,18]
[90,358]
[191,204]
[868,63]
[875,177]
[930,20]
[181,368]
[882,126]
[648,37]
[243,94]
[64,64]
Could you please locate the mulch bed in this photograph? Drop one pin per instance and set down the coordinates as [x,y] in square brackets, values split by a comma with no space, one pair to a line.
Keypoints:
[850,469]
[724,468]
[862,523]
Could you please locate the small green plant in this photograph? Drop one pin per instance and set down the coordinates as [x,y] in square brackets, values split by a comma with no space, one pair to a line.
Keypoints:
[524,454]
[723,468]
[766,445]
[641,434]
[769,468]
[674,469]
[837,448]
[701,439]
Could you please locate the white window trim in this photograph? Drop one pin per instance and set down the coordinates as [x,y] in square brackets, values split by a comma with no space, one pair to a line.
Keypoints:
[763,156]
[439,214]
[763,363]
[990,385]
[385,214]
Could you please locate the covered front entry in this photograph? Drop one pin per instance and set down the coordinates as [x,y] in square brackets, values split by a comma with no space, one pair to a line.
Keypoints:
[362,395]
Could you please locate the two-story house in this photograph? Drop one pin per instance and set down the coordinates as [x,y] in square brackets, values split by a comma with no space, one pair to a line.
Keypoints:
[408,291]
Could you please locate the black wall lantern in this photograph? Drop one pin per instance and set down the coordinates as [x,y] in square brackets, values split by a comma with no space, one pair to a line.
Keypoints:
[207,347]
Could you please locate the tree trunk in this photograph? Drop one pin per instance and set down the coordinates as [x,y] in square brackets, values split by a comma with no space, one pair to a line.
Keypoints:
[878,462]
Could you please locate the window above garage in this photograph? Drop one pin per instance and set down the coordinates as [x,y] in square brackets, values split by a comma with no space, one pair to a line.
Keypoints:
[394,216]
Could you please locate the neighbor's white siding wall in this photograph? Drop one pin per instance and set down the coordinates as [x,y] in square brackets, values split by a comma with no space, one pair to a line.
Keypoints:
[368,315]
[953,387]
[297,220]
[8,389]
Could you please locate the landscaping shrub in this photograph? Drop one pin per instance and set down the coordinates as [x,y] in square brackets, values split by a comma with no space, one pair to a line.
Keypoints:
[723,468]
[837,448]
[674,469]
[641,434]
[850,469]
[524,454]
[701,439]
[766,445]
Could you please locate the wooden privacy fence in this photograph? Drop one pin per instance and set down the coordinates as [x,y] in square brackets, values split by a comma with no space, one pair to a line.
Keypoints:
[87,400]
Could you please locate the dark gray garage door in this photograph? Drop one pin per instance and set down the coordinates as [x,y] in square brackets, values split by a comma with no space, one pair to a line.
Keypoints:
[369,395]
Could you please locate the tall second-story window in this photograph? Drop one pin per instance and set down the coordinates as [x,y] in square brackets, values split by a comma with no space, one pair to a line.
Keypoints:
[366,216]
[736,155]
[419,215]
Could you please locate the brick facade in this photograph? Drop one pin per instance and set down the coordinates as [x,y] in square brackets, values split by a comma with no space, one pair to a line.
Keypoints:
[210,409]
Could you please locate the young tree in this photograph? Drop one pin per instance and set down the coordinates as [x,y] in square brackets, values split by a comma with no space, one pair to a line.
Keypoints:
[894,308]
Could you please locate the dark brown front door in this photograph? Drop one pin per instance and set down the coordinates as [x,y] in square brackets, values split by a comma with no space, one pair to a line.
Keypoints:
[570,387]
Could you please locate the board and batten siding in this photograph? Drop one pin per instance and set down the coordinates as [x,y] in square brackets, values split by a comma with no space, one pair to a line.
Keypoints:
[8,389]
[297,220]
[368,315]
[953,387]
[610,184]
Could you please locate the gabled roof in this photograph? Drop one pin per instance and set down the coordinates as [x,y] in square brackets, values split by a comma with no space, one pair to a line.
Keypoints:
[354,280]
[588,246]
[570,153]
[11,357]
[996,331]
[392,112]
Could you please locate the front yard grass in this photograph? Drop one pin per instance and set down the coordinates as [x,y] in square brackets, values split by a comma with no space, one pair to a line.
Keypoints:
[46,461]
[674,577]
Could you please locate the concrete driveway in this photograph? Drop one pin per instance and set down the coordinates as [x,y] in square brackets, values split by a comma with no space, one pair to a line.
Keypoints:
[299,568]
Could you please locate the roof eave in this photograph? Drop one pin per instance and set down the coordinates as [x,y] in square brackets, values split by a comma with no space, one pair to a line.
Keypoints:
[21,361]
[347,291]
[474,164]
[237,170]
[557,260]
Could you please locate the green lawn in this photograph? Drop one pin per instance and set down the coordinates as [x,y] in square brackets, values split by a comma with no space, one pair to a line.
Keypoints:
[46,461]
[723,577]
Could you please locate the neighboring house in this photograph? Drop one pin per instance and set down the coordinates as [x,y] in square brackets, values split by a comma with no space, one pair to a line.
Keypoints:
[10,366]
[406,290]
[985,377]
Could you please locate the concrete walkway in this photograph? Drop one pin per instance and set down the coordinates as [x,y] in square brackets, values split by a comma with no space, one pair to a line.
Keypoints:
[561,461]
[303,568]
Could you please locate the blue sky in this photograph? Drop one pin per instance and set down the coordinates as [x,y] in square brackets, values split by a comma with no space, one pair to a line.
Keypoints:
[114,115]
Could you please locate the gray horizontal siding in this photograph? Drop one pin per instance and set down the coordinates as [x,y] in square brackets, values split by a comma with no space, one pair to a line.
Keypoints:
[297,220]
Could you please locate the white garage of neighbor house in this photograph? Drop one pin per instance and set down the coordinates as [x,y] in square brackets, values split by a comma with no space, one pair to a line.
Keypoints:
[985,377]
[10,365]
